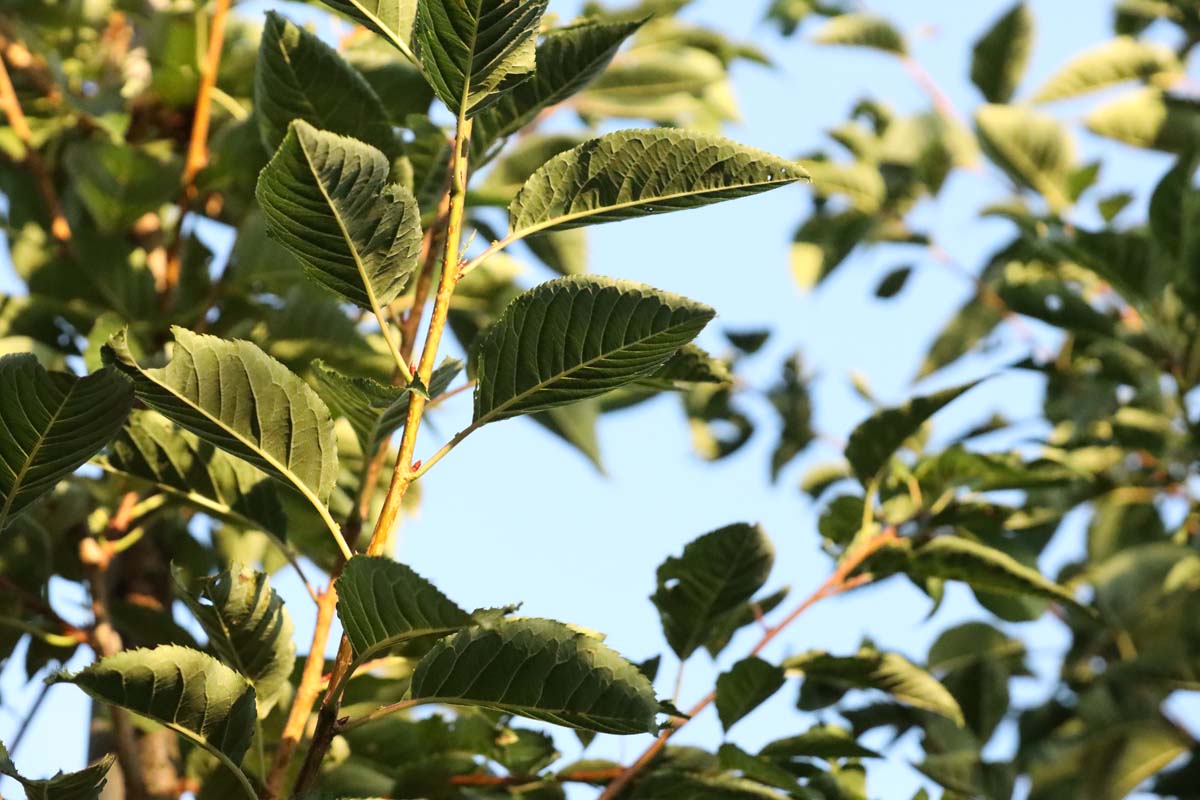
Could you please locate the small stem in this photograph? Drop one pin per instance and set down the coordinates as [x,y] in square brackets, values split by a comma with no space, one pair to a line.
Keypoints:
[837,583]
[382,711]
[306,695]
[10,104]
[941,100]
[428,463]
[197,152]
[493,248]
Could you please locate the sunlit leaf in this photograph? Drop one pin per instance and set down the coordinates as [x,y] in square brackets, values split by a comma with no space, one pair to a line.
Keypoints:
[1122,59]
[862,30]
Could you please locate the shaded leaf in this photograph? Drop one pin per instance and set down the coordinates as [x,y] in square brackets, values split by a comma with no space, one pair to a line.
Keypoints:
[1001,54]
[86,784]
[639,172]
[862,30]
[248,628]
[382,603]
[745,687]
[298,76]
[539,669]
[326,198]
[893,283]
[50,424]
[714,576]
[820,741]
[578,337]
[873,443]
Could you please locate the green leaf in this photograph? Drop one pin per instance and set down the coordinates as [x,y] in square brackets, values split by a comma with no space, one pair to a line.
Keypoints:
[873,443]
[50,424]
[1122,59]
[871,669]
[1148,118]
[239,399]
[327,199]
[1032,147]
[86,784]
[862,183]
[746,686]
[248,628]
[391,19]
[539,669]
[509,173]
[1175,211]
[375,410]
[298,76]
[567,60]
[382,603]
[715,575]
[472,50]
[862,30]
[578,337]
[640,172]
[1001,54]
[152,450]
[976,662]
[118,183]
[893,283]
[691,365]
[820,741]
[984,568]
[190,692]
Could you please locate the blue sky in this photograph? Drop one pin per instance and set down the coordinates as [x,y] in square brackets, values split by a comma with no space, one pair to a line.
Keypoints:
[512,515]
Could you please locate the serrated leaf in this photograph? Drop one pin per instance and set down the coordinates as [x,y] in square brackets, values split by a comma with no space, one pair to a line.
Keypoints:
[186,690]
[1149,118]
[1122,59]
[391,19]
[640,172]
[50,424]
[539,669]
[746,686]
[567,60]
[327,199]
[241,400]
[713,577]
[473,50]
[688,367]
[248,628]
[862,30]
[86,784]
[873,443]
[871,669]
[578,337]
[298,76]
[175,461]
[576,424]
[984,568]
[375,410]
[1002,54]
[1033,148]
[382,603]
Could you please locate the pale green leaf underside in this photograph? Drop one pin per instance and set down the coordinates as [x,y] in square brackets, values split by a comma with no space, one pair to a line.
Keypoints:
[375,410]
[176,461]
[391,19]
[188,690]
[539,669]
[470,50]
[382,603]
[50,424]
[715,575]
[1122,59]
[1033,148]
[567,60]
[578,337]
[86,784]
[887,672]
[248,628]
[862,30]
[298,76]
[232,394]
[327,199]
[873,443]
[640,172]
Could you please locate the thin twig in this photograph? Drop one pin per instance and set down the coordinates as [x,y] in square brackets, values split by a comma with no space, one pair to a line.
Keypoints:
[10,104]
[840,581]
[30,713]
[197,152]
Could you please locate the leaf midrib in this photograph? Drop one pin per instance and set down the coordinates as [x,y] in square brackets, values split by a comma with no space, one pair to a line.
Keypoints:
[541,226]
[492,414]
[31,456]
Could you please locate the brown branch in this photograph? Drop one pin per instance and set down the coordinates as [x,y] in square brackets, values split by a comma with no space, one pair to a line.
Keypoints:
[10,104]
[839,582]
[197,152]
[576,776]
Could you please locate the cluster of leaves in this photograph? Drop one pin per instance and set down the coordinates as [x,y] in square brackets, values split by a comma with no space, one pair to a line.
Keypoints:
[181,420]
